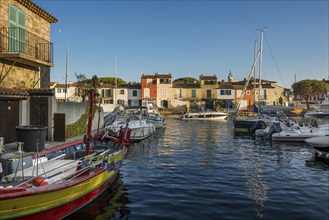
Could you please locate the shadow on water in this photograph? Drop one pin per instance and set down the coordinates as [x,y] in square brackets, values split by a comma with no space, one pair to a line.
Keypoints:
[111,204]
[315,163]
[205,170]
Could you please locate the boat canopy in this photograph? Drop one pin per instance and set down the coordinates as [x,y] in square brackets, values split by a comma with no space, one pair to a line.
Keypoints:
[136,107]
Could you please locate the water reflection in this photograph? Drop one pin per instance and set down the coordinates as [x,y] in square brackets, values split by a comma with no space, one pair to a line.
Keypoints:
[112,204]
[201,170]
[251,162]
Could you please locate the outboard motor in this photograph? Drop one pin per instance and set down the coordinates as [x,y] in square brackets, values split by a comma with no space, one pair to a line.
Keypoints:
[258,125]
[274,128]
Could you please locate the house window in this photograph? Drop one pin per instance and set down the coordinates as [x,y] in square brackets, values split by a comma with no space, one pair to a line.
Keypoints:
[134,92]
[121,102]
[64,90]
[146,93]
[149,81]
[208,94]
[76,92]
[209,82]
[16,31]
[108,102]
[106,92]
[163,92]
[165,81]
[193,95]
[59,90]
[122,92]
[225,92]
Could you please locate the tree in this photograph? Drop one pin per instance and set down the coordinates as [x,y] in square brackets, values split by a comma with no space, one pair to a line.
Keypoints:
[111,80]
[185,80]
[308,88]
[84,85]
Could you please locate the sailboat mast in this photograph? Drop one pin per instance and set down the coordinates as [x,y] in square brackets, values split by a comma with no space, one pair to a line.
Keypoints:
[116,80]
[260,65]
[255,54]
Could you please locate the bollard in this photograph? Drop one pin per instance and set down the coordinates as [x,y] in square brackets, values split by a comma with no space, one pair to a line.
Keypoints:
[2,144]
[20,147]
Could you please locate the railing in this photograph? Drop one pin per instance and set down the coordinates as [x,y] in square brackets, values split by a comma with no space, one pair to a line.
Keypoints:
[178,96]
[262,97]
[15,40]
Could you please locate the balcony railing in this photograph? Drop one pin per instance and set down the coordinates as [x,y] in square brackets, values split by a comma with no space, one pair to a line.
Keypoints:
[16,40]
[178,96]
[263,97]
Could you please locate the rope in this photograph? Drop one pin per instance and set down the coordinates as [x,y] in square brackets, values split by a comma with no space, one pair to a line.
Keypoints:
[275,61]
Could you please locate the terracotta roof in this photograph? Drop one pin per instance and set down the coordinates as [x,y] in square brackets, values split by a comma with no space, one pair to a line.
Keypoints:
[194,85]
[41,92]
[38,10]
[156,75]
[202,77]
[13,92]
[225,86]
[131,86]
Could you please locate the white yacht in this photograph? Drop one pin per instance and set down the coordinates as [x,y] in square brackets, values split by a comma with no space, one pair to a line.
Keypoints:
[301,133]
[140,127]
[206,115]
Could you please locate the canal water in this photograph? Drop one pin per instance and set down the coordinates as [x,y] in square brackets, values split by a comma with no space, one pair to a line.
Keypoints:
[202,170]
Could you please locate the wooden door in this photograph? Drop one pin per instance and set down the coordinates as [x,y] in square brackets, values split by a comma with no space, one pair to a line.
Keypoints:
[9,119]
[59,127]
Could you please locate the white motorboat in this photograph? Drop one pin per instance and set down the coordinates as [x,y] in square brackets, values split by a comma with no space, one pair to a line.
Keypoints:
[297,133]
[207,115]
[321,111]
[140,127]
[319,143]
[154,117]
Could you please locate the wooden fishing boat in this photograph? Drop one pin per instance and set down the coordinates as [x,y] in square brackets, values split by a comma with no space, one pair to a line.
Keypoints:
[70,177]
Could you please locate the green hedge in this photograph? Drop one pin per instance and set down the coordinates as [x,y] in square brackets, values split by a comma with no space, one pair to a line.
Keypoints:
[80,126]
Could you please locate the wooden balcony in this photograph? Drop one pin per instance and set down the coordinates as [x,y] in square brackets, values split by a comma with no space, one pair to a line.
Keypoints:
[21,46]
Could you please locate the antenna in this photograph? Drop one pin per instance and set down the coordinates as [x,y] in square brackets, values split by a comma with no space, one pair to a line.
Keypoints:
[255,54]
[67,71]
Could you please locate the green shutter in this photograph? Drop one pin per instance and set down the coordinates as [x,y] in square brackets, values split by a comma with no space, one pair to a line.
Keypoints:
[16,32]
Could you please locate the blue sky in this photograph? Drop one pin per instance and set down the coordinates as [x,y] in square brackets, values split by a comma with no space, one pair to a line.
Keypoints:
[189,38]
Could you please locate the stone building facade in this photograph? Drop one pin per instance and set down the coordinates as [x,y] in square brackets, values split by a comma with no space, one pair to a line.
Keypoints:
[26,56]
[25,47]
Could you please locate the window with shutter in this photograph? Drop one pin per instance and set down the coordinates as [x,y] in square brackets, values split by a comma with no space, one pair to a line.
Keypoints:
[146,93]
[193,93]
[16,32]
[208,94]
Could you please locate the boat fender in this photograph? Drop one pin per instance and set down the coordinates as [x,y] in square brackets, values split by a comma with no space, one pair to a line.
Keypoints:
[79,165]
[44,183]
[37,180]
